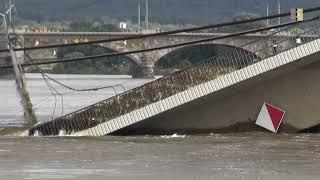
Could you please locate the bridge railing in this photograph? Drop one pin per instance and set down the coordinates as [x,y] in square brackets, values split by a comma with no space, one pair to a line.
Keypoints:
[279,41]
[273,44]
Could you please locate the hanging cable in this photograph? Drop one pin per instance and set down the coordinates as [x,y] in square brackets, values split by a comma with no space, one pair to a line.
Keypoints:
[29,115]
[52,79]
[95,57]
[308,10]
[53,91]
[55,98]
[45,76]
[75,89]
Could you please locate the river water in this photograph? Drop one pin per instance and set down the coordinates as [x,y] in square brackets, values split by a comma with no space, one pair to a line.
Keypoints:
[212,156]
[45,104]
[231,156]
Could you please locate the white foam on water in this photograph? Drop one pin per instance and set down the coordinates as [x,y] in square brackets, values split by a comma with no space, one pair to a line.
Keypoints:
[5,150]
[24,133]
[62,132]
[173,136]
[36,133]
[15,132]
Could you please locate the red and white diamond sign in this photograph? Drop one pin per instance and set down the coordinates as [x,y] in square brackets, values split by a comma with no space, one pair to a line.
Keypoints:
[270,117]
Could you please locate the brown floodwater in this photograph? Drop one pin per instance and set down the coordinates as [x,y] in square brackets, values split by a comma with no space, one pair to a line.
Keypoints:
[228,156]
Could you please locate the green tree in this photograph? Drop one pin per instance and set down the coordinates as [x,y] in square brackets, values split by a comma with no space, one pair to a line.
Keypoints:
[183,64]
[58,68]
[106,28]
[248,26]
[81,26]
[108,65]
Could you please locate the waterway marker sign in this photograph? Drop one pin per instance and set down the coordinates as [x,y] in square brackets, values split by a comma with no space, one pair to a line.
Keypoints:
[270,117]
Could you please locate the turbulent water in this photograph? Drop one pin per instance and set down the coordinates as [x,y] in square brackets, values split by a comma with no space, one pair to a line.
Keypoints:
[229,156]
[238,156]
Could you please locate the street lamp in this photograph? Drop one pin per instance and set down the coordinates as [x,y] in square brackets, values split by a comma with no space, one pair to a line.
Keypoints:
[147,14]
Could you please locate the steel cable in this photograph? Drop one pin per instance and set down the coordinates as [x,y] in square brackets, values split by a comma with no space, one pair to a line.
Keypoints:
[95,57]
[165,33]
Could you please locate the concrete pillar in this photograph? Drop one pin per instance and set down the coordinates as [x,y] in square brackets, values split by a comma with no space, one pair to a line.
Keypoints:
[145,69]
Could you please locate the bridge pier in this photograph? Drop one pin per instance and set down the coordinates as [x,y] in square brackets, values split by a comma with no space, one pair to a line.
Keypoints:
[145,69]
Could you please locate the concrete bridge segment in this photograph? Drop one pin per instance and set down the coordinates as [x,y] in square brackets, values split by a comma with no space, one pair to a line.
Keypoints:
[286,80]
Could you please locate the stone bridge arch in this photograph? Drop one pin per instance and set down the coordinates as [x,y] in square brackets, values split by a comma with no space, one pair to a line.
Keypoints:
[235,42]
[133,57]
[116,47]
[146,60]
[215,48]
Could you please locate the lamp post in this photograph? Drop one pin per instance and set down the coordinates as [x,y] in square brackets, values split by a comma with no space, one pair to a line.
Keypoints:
[147,14]
[267,13]
[279,12]
[139,15]
[13,42]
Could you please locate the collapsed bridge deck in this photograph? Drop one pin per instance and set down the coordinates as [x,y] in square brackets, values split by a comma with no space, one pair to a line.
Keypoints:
[181,88]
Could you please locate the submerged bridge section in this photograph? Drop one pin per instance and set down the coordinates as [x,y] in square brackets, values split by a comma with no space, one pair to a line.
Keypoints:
[223,92]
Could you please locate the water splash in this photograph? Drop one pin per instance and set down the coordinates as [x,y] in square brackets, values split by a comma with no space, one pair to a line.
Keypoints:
[36,133]
[62,133]
[14,132]
[173,136]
